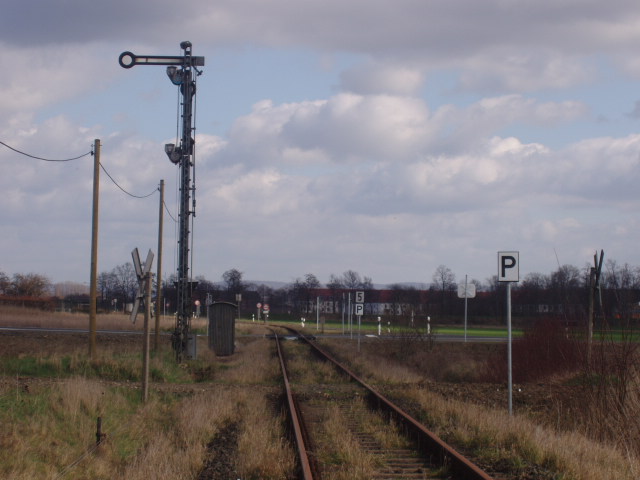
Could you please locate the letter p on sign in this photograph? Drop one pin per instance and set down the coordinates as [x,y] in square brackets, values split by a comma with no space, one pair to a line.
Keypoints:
[508,267]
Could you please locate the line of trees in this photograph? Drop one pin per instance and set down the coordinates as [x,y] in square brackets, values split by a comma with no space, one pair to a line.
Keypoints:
[563,292]
[24,285]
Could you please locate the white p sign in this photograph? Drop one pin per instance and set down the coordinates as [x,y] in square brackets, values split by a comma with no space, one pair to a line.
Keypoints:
[508,267]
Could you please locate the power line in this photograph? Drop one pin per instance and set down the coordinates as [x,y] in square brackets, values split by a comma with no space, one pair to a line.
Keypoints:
[117,185]
[168,212]
[45,159]
[76,158]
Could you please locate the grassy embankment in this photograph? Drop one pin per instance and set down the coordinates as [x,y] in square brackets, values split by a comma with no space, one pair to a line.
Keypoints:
[521,446]
[51,395]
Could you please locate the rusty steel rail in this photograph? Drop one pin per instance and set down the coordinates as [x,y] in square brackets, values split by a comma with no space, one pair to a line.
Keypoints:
[297,426]
[433,445]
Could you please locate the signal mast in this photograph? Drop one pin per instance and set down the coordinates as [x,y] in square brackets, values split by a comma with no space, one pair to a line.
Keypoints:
[180,71]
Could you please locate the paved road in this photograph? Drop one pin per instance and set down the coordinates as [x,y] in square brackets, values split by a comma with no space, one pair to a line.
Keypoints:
[368,337]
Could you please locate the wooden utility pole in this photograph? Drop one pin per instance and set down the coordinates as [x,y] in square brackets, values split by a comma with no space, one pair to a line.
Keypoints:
[594,285]
[145,349]
[93,289]
[159,299]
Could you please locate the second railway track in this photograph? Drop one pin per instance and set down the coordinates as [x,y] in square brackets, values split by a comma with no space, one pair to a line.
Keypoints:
[347,430]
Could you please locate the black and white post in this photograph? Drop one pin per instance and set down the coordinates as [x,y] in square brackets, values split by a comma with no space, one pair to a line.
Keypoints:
[359,311]
[509,272]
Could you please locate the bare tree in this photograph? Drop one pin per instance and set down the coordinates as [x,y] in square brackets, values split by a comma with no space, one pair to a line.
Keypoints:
[126,281]
[30,285]
[565,285]
[233,281]
[300,291]
[350,280]
[107,283]
[335,282]
[444,278]
[533,288]
[311,281]
[5,284]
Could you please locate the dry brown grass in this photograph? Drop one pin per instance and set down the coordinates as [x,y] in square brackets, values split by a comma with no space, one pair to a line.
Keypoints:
[517,441]
[176,447]
[156,440]
[339,452]
[13,316]
[52,424]
[498,437]
[253,363]
[263,451]
[305,368]
[369,365]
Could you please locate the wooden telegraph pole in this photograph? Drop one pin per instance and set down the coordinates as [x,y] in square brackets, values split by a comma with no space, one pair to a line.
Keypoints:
[94,252]
[159,299]
[145,347]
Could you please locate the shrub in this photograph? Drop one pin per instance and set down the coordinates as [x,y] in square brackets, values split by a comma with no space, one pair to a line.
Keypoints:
[546,349]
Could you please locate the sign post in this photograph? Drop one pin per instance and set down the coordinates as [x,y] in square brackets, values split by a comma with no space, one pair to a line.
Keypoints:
[143,272]
[359,312]
[509,272]
[466,290]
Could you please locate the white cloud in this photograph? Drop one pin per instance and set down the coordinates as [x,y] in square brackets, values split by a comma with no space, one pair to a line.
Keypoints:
[382,79]
[382,176]
[510,70]
[36,77]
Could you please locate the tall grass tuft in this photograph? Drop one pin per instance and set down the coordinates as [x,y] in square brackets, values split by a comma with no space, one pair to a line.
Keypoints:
[610,411]
[263,451]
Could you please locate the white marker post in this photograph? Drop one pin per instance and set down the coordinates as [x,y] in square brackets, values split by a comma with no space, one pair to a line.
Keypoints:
[509,271]
[466,291]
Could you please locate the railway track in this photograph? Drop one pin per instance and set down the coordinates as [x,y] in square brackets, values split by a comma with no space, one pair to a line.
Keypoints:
[343,428]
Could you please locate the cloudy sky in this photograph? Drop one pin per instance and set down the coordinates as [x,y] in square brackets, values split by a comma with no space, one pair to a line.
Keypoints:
[385,137]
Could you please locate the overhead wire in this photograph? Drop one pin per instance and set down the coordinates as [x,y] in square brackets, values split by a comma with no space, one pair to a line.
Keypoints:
[76,158]
[45,159]
[128,193]
[166,208]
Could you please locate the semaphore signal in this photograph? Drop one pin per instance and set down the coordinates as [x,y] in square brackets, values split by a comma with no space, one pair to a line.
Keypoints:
[180,71]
